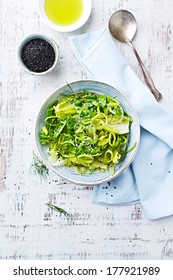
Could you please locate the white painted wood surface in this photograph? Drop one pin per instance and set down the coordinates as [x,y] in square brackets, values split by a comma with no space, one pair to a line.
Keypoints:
[28,229]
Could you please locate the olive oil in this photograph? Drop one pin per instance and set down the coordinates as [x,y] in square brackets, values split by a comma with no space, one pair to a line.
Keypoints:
[64,12]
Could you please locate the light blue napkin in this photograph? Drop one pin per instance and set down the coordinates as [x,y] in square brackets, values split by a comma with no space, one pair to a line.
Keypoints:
[149,179]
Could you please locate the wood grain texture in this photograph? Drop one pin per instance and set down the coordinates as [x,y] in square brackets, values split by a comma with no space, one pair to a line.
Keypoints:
[28,228]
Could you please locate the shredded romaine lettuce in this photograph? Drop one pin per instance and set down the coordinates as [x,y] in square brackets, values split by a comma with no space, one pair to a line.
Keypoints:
[87,130]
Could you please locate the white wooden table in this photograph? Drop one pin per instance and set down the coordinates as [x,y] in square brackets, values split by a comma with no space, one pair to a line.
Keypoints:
[28,228]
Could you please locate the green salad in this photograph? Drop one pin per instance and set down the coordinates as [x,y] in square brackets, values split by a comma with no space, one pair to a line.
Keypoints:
[86,130]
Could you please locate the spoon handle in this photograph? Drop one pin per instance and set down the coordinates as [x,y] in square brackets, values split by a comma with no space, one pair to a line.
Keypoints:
[147,77]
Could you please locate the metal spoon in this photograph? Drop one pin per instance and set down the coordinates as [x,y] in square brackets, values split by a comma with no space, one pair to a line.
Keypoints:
[123,26]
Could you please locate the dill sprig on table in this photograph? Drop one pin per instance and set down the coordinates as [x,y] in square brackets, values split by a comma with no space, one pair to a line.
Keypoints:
[39,168]
[58,209]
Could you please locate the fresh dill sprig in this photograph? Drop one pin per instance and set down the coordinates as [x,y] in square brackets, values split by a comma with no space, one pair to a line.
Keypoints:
[39,168]
[58,209]
[70,87]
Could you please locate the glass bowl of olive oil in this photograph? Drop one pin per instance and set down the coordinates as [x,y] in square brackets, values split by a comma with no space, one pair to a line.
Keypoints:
[64,15]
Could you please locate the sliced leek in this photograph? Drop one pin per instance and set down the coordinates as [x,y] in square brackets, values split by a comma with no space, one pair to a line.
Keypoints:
[86,130]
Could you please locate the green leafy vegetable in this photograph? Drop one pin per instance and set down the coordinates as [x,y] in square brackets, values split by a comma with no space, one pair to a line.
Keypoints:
[58,209]
[87,130]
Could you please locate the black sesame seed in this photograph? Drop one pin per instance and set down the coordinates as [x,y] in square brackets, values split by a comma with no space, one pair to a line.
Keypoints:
[38,55]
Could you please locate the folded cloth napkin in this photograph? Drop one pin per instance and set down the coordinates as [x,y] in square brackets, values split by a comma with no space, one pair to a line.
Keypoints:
[149,179]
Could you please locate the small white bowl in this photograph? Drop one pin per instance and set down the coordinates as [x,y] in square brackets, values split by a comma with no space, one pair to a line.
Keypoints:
[66,28]
[29,38]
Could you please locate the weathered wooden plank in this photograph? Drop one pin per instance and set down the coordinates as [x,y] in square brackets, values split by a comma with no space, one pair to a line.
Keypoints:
[28,228]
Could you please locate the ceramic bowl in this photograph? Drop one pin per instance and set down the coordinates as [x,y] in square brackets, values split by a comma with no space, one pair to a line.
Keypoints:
[87,5]
[97,177]
[29,38]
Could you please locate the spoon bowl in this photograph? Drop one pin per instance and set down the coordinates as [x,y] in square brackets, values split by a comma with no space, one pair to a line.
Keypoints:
[123,26]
